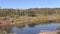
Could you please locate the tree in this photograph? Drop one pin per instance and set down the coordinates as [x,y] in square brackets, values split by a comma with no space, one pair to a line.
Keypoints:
[31,13]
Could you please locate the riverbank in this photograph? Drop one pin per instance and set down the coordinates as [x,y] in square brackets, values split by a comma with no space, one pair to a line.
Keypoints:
[49,32]
[40,18]
[26,19]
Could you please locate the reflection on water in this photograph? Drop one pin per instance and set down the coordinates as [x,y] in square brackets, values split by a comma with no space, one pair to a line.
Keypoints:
[5,29]
[32,28]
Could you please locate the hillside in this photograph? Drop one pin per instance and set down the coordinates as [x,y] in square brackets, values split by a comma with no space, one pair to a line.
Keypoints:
[31,15]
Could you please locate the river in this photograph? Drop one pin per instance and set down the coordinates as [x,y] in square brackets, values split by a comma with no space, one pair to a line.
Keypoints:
[32,28]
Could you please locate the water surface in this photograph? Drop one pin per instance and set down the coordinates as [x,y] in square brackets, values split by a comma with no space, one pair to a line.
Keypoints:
[30,28]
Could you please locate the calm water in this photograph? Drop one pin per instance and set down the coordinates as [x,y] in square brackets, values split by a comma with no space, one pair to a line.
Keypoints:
[29,28]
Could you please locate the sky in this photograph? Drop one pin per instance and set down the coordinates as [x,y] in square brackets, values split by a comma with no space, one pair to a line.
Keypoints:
[25,4]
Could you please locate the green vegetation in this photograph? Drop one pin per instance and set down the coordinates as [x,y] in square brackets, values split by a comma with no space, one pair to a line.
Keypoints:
[31,15]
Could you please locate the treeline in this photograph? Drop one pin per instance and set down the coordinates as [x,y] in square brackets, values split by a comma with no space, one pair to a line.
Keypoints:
[29,12]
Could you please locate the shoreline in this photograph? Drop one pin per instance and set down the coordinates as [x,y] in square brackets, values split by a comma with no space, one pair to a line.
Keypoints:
[24,19]
[49,32]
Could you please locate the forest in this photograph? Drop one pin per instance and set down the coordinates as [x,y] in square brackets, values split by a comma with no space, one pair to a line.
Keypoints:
[29,12]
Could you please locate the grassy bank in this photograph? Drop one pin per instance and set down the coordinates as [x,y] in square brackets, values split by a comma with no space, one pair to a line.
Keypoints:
[40,18]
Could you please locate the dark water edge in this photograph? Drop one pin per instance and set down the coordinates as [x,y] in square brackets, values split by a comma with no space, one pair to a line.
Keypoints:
[29,28]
